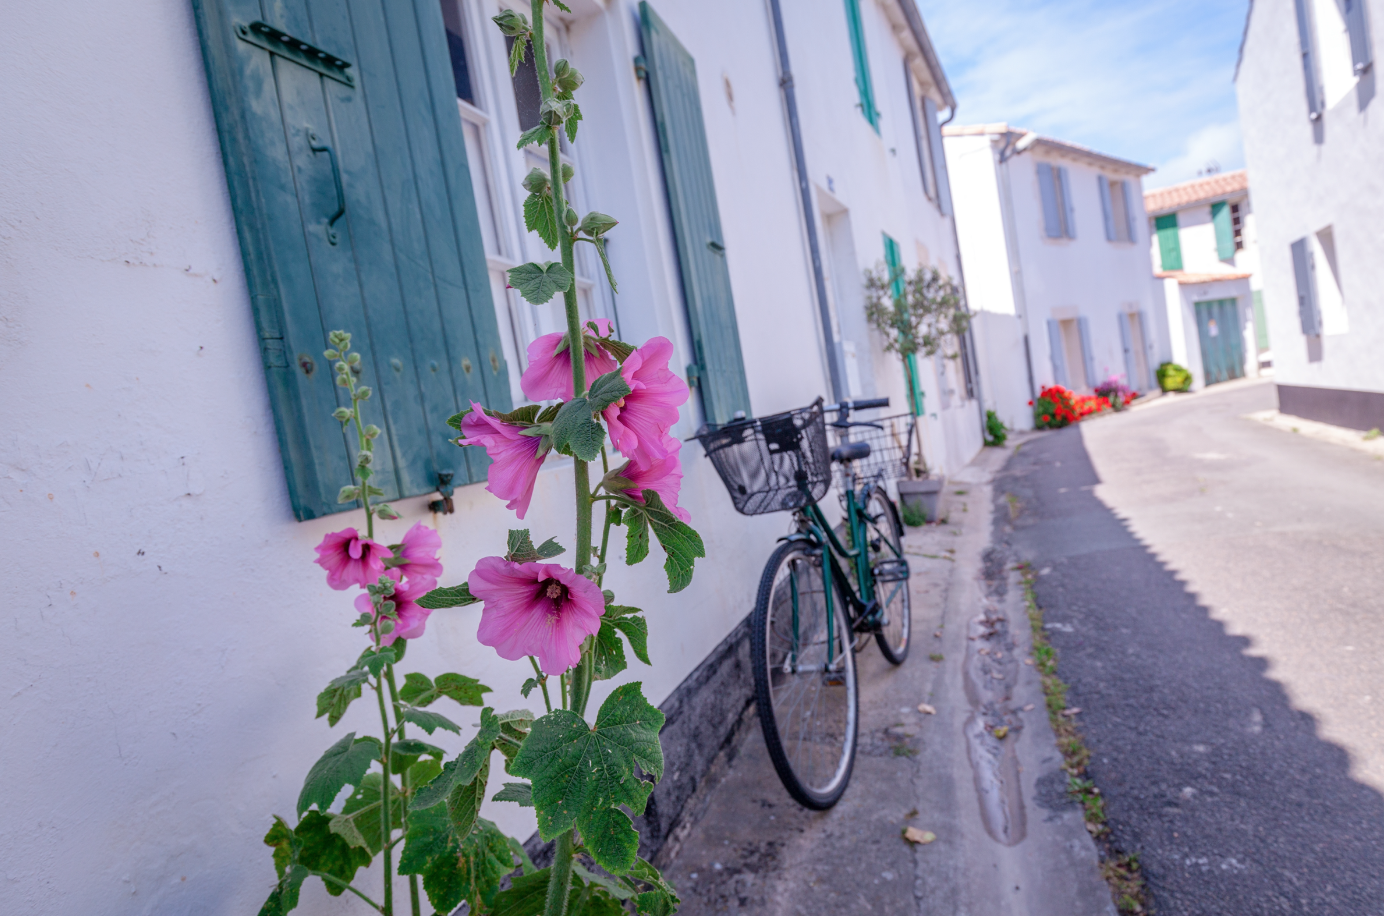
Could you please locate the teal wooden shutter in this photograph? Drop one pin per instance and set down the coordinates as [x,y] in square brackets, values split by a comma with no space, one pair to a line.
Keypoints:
[1088,356]
[1357,25]
[719,369]
[1309,66]
[1169,247]
[1130,221]
[1225,233]
[1103,187]
[864,87]
[347,174]
[1068,211]
[939,157]
[1047,190]
[1059,359]
[894,260]
[1308,313]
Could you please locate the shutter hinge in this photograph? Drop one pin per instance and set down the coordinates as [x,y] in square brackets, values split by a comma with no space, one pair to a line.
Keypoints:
[300,52]
[445,490]
[694,375]
[641,68]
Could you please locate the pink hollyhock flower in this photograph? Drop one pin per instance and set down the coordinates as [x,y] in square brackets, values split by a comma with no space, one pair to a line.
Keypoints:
[514,456]
[663,476]
[350,559]
[549,374]
[539,609]
[418,549]
[411,618]
[639,422]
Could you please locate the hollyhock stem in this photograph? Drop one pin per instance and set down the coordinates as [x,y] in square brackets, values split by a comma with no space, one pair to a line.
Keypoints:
[542,682]
[385,818]
[414,901]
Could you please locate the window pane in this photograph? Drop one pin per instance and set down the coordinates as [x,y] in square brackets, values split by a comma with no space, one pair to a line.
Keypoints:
[456,47]
[527,96]
[480,186]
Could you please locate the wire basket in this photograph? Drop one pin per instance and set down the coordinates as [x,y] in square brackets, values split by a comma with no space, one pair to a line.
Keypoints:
[762,460]
[891,448]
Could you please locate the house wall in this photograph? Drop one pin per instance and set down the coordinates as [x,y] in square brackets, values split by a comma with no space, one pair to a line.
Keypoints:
[1309,176]
[173,629]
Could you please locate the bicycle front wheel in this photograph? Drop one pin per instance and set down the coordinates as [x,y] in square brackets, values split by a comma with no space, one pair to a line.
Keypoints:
[805,679]
[884,534]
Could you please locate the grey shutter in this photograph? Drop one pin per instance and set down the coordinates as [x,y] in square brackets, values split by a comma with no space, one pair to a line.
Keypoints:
[1059,359]
[1303,273]
[1088,357]
[1047,190]
[1149,362]
[1129,210]
[920,137]
[1103,186]
[1309,66]
[1358,27]
[939,157]
[1068,211]
[1123,319]
[402,267]
[691,187]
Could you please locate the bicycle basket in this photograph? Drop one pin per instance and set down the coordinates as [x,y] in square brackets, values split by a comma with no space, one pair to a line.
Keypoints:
[891,448]
[761,460]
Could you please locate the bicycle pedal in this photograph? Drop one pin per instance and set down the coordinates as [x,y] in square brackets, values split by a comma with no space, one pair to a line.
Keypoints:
[891,570]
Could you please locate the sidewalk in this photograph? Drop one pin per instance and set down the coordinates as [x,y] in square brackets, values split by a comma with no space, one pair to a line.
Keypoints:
[1008,840]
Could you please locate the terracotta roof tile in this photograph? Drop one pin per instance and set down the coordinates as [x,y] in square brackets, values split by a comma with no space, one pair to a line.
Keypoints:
[1186,278]
[1175,197]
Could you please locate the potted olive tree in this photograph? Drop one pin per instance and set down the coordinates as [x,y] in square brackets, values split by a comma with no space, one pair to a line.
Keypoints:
[915,314]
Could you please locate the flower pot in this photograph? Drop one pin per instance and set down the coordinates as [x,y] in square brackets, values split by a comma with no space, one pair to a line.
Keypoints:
[922,495]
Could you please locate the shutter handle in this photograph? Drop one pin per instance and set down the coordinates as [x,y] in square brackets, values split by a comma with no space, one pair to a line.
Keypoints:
[317,146]
[715,246]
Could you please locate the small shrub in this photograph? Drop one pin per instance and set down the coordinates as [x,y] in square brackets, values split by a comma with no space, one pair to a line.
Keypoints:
[1172,377]
[913,516]
[995,430]
[1055,408]
[1116,393]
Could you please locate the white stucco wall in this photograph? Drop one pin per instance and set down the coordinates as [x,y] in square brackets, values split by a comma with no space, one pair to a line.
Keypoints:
[1306,178]
[170,629]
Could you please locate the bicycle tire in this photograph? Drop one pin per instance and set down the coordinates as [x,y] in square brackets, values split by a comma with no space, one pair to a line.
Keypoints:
[797,738]
[894,636]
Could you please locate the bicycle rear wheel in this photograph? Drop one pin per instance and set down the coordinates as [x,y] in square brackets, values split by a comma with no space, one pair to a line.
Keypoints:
[884,534]
[805,683]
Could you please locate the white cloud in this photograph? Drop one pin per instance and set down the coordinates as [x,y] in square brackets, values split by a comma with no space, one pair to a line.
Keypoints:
[1216,147]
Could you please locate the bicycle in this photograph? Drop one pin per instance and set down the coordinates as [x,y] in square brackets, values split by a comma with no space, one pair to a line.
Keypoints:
[811,616]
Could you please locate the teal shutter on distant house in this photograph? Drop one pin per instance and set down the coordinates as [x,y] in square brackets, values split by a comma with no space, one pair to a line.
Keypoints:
[719,369]
[1361,54]
[1169,247]
[353,203]
[894,260]
[864,87]
[1225,233]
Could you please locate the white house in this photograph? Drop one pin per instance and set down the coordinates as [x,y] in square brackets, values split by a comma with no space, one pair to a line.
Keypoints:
[190,207]
[1056,262]
[1202,237]
[1307,85]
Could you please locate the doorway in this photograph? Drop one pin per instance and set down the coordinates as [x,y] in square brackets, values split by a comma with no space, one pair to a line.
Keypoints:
[1222,342]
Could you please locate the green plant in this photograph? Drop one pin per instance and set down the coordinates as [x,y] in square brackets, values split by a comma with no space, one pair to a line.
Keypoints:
[995,430]
[914,313]
[913,515]
[1172,377]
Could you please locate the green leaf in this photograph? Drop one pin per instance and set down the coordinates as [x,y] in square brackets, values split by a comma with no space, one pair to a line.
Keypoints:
[681,544]
[454,421]
[520,792]
[614,888]
[464,801]
[576,769]
[636,630]
[405,753]
[429,721]
[485,859]
[539,133]
[516,56]
[284,896]
[660,899]
[610,274]
[540,282]
[528,687]
[515,725]
[606,390]
[538,217]
[325,851]
[610,838]
[636,536]
[375,660]
[418,690]
[448,596]
[521,549]
[464,768]
[342,765]
[429,836]
[360,816]
[562,6]
[280,838]
[575,433]
[339,695]
[607,653]
[527,894]
[572,119]
[452,870]
[600,903]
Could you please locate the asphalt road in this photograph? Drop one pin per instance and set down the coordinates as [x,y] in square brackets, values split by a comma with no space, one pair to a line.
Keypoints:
[1215,590]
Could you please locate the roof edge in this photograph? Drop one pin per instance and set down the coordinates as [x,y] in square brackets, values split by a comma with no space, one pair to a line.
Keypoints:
[934,65]
[1075,149]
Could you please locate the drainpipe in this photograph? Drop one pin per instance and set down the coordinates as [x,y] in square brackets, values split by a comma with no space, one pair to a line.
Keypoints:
[1014,143]
[790,101]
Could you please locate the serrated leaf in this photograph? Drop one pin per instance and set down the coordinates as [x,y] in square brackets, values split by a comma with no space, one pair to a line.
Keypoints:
[465,799]
[324,851]
[464,768]
[538,217]
[429,721]
[661,899]
[575,433]
[339,694]
[636,630]
[548,414]
[540,133]
[562,6]
[610,838]
[344,826]
[521,549]
[571,123]
[418,690]
[527,894]
[606,390]
[454,421]
[609,885]
[681,544]
[284,897]
[577,769]
[636,536]
[405,752]
[375,660]
[363,808]
[448,596]
[619,610]
[607,653]
[538,283]
[429,836]
[528,688]
[515,725]
[519,416]
[454,870]
[344,764]
[520,792]
[485,859]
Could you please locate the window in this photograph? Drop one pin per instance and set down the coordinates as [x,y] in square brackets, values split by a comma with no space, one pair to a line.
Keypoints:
[864,87]
[1237,227]
[1334,45]
[1054,189]
[1069,346]
[1169,246]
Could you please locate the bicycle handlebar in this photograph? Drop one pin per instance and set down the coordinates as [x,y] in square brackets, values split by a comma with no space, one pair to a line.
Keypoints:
[865,404]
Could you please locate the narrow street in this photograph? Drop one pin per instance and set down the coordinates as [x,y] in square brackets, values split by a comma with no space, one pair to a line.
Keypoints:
[1213,588]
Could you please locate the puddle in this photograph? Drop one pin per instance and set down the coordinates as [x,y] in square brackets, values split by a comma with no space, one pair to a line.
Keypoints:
[990,672]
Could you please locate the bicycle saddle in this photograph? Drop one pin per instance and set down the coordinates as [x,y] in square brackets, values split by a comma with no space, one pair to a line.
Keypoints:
[850,451]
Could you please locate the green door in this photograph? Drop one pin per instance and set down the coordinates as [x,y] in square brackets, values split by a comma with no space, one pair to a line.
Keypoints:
[1222,346]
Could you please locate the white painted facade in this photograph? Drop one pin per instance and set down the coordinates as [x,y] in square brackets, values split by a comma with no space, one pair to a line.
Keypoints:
[170,631]
[1033,284]
[1317,178]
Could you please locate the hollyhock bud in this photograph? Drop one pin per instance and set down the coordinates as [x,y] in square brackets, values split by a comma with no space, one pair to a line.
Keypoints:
[418,549]
[639,422]
[515,457]
[410,618]
[539,609]
[350,559]
[511,23]
[549,374]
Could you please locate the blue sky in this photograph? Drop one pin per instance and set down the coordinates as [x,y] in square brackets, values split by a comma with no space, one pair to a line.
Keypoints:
[1148,81]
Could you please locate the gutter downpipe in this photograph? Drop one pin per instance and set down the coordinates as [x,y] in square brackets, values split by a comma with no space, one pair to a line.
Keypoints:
[790,101]
[961,274]
[1008,151]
